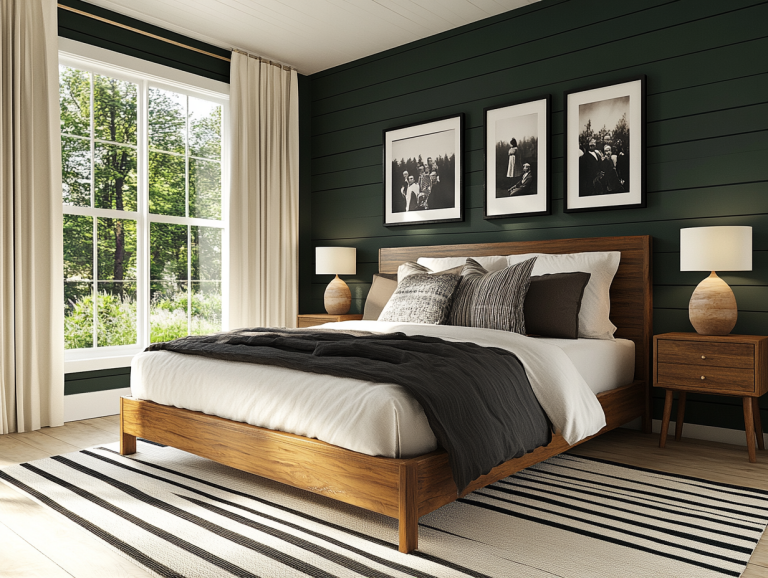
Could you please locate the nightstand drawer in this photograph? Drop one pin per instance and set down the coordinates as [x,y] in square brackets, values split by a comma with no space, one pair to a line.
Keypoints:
[715,378]
[741,355]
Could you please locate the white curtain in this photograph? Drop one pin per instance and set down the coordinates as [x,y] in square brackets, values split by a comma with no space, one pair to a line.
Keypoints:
[264,194]
[31,294]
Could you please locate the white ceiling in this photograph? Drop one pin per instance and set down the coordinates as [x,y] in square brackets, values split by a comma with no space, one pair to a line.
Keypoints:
[311,35]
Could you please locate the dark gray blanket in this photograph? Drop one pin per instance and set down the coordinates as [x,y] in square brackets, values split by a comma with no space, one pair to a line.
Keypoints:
[478,400]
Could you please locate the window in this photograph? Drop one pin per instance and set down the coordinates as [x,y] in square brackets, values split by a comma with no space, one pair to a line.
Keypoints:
[144,226]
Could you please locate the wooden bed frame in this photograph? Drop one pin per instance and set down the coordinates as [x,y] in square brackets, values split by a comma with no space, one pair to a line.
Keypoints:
[406,489]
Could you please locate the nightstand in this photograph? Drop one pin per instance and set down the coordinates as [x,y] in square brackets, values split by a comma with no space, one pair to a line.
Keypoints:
[313,319]
[735,365]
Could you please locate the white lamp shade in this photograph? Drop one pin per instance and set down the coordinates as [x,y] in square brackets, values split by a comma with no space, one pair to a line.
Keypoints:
[716,249]
[335,260]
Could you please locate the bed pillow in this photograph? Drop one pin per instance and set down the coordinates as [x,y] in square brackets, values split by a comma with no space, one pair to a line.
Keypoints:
[595,313]
[411,268]
[492,300]
[552,304]
[421,298]
[491,263]
[382,288]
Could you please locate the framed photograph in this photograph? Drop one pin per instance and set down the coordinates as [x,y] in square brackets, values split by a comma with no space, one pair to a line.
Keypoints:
[517,160]
[422,172]
[605,147]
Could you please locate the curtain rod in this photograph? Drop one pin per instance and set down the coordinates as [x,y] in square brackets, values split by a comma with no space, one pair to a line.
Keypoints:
[168,40]
[132,29]
[260,59]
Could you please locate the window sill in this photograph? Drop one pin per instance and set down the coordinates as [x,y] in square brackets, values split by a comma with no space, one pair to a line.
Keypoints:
[96,363]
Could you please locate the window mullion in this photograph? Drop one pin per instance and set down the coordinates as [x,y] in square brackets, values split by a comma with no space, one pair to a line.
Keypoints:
[143,233]
[95,219]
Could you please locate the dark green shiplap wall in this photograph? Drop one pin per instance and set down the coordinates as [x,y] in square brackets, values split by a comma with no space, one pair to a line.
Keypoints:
[90,31]
[707,125]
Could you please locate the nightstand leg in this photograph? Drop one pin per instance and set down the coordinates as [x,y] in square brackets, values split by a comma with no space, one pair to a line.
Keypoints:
[749,427]
[665,420]
[758,423]
[680,416]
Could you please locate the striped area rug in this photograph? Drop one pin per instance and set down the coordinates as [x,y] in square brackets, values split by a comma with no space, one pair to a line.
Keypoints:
[179,515]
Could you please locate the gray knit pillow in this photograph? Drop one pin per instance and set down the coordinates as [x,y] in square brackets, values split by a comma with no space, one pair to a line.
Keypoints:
[492,300]
[421,298]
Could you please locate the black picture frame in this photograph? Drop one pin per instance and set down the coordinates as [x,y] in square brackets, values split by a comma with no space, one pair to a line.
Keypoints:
[440,140]
[599,185]
[508,195]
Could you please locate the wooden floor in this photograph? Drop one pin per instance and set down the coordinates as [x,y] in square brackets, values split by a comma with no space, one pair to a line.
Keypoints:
[35,542]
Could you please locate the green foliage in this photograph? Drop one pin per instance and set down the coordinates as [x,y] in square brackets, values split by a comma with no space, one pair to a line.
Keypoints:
[78,323]
[114,109]
[117,318]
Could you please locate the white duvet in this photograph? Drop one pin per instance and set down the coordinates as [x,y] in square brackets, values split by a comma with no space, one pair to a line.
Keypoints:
[376,419]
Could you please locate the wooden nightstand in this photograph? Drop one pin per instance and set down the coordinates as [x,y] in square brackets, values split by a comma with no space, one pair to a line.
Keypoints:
[313,319]
[734,365]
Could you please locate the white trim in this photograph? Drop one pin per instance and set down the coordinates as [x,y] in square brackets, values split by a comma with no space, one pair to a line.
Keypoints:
[118,64]
[97,363]
[699,432]
[94,404]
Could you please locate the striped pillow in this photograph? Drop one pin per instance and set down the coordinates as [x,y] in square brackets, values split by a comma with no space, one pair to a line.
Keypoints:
[492,300]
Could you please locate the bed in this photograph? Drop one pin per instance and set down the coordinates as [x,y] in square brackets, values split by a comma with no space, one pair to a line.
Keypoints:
[407,488]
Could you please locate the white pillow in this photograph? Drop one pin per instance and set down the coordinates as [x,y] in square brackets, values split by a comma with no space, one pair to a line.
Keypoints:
[594,316]
[490,264]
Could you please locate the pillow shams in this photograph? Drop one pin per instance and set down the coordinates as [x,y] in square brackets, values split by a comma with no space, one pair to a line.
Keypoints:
[552,304]
[492,300]
[594,316]
[382,289]
[421,298]
[490,263]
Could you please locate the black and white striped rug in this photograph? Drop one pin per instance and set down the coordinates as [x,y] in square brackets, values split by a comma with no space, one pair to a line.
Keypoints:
[179,515]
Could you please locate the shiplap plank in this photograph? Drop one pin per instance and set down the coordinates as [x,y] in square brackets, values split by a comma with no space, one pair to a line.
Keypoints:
[548,20]
[557,60]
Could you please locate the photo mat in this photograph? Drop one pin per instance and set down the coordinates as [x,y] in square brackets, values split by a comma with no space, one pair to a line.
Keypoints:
[422,172]
[517,160]
[605,147]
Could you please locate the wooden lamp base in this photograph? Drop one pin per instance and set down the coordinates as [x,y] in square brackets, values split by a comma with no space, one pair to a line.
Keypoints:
[338,298]
[712,309]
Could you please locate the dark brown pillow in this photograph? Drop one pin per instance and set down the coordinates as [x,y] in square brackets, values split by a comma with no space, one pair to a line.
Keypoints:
[552,304]
[383,287]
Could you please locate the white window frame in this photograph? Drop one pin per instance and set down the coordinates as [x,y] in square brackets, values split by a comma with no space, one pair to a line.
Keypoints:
[147,74]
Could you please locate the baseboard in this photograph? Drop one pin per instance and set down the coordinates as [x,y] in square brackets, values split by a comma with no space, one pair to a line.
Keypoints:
[95,404]
[700,432]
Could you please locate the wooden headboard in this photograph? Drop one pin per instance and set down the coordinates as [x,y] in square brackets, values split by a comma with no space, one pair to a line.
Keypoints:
[631,291]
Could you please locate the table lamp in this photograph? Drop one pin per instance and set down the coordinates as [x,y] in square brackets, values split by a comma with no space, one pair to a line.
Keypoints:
[336,261]
[712,309]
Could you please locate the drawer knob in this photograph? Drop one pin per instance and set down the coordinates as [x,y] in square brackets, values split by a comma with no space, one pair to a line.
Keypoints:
[702,377]
[703,356]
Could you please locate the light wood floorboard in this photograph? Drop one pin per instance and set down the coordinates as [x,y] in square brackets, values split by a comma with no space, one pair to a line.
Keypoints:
[42,544]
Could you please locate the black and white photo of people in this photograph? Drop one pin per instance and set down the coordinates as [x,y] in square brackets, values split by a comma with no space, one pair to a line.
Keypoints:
[423,172]
[517,149]
[604,151]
